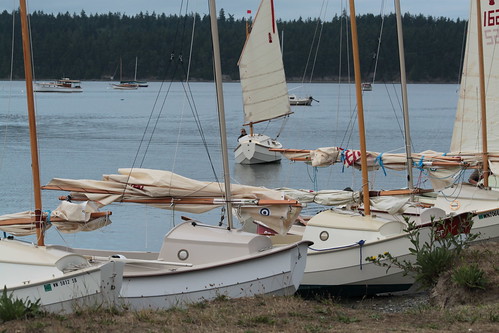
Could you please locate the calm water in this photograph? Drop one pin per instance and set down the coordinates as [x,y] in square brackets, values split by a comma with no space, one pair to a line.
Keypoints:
[100,130]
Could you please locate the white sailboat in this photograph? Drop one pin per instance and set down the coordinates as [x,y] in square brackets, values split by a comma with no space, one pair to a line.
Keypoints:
[475,144]
[263,82]
[60,281]
[343,238]
[197,262]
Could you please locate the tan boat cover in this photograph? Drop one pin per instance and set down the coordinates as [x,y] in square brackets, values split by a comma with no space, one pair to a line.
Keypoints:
[76,217]
[144,184]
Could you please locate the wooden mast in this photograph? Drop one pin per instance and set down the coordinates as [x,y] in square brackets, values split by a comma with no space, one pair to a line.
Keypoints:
[221,111]
[483,104]
[360,110]
[405,103]
[32,124]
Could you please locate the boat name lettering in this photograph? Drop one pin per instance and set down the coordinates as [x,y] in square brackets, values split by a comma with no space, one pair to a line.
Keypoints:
[489,214]
[491,18]
[64,282]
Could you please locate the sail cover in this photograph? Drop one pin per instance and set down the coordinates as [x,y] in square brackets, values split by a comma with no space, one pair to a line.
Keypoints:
[467,127]
[261,70]
[165,189]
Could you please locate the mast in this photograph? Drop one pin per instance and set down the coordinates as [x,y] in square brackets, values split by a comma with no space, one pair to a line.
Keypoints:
[405,104]
[360,110]
[221,111]
[135,75]
[35,169]
[483,104]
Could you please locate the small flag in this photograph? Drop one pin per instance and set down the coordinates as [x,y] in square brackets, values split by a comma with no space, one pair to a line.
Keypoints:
[248,11]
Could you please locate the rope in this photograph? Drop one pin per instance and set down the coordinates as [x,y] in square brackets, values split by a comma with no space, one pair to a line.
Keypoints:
[379,160]
[47,221]
[360,243]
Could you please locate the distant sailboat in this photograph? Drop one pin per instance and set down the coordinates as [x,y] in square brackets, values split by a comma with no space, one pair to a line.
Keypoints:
[141,84]
[265,92]
[125,85]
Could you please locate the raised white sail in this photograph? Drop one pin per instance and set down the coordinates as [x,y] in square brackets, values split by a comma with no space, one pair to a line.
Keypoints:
[467,127]
[261,70]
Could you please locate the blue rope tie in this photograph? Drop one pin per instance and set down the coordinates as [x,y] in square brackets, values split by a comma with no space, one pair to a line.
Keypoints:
[419,165]
[342,159]
[379,160]
[49,212]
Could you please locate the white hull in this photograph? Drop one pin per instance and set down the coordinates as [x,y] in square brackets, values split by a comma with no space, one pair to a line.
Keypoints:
[254,149]
[56,89]
[125,87]
[224,263]
[305,101]
[338,263]
[56,281]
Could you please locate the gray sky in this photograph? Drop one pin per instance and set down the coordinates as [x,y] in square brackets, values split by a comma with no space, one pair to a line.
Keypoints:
[285,9]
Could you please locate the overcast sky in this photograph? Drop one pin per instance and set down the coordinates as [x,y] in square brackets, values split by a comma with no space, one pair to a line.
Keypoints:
[285,9]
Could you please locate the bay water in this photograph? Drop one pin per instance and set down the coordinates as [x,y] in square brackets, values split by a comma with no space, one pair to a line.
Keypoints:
[85,135]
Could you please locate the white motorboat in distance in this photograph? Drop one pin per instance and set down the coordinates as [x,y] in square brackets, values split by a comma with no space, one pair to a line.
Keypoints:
[64,85]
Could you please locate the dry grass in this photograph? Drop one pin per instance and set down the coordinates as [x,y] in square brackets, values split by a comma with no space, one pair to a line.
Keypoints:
[295,314]
[269,314]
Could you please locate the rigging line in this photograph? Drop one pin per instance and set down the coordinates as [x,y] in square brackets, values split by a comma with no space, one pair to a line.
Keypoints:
[195,113]
[172,58]
[394,109]
[187,80]
[312,45]
[340,61]
[158,117]
[171,81]
[283,123]
[177,146]
[382,14]
[317,50]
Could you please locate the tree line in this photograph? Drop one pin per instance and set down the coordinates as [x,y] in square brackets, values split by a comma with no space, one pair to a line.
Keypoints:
[89,47]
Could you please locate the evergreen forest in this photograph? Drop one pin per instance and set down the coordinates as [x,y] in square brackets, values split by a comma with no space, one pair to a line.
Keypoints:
[90,47]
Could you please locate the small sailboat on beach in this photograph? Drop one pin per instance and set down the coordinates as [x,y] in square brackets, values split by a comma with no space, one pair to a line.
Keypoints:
[197,261]
[60,281]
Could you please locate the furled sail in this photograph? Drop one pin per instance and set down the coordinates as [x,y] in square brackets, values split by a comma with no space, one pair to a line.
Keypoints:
[67,218]
[167,190]
[466,136]
[261,70]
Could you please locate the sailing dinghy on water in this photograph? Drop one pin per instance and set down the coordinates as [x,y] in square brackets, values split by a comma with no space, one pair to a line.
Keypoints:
[59,281]
[263,82]
[198,262]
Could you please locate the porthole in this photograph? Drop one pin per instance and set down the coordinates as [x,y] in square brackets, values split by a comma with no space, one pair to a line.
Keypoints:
[324,236]
[183,254]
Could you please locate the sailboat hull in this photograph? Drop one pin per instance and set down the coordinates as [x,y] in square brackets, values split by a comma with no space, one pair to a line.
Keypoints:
[336,262]
[56,280]
[304,101]
[222,263]
[254,149]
